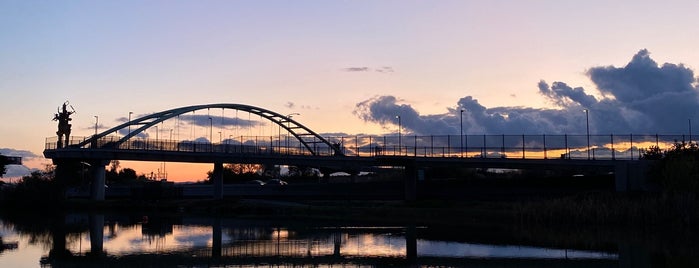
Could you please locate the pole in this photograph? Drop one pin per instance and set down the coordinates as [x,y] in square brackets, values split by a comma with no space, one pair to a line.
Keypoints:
[690,130]
[587,124]
[130,122]
[461,131]
[399,137]
[96,120]
[211,130]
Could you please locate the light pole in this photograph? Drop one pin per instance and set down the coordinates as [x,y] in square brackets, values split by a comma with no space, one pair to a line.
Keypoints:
[400,143]
[587,124]
[130,122]
[287,128]
[220,137]
[96,120]
[211,130]
[690,130]
[461,130]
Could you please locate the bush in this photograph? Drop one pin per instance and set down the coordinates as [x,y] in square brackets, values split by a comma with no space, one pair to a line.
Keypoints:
[677,169]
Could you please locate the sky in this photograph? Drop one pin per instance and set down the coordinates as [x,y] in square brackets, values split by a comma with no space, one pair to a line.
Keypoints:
[514,67]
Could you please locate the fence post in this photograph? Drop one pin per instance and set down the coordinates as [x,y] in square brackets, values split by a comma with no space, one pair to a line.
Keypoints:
[545,156]
[502,149]
[415,146]
[567,150]
[611,137]
[631,149]
[448,144]
[523,156]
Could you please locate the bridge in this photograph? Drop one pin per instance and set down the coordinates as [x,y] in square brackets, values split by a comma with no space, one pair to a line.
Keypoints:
[298,145]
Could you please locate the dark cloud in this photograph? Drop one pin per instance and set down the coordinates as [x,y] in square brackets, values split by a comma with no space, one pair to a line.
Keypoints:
[356,69]
[14,171]
[15,152]
[202,120]
[385,69]
[382,69]
[641,97]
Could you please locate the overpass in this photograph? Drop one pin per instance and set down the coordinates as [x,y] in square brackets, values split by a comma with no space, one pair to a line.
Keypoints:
[298,145]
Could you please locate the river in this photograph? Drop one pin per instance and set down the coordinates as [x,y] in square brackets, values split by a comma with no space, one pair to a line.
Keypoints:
[151,240]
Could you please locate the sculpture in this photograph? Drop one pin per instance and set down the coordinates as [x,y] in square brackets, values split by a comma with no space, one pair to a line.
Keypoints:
[63,118]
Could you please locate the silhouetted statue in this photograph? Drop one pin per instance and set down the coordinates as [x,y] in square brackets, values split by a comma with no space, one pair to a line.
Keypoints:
[63,118]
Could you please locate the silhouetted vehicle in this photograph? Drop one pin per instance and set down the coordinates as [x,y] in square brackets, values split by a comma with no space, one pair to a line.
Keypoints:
[276,182]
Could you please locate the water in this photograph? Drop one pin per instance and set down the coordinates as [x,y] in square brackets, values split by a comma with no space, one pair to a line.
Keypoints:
[88,240]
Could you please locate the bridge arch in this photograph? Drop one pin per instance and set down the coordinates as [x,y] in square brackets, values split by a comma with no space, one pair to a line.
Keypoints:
[303,134]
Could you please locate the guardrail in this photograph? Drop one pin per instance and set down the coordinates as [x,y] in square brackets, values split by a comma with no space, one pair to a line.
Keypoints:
[597,147]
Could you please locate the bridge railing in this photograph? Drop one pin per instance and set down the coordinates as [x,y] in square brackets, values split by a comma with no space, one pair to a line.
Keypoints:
[629,146]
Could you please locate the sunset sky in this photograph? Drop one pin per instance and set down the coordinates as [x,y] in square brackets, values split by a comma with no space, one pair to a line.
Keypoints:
[349,66]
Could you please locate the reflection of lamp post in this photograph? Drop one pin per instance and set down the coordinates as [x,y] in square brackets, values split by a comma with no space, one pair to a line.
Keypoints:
[96,120]
[400,143]
[461,131]
[587,124]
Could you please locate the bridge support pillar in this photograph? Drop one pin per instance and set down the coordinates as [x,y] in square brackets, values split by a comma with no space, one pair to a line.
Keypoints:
[96,234]
[410,175]
[98,179]
[631,176]
[217,180]
[216,239]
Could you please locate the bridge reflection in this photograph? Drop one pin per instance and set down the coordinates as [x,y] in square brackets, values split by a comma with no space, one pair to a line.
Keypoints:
[250,243]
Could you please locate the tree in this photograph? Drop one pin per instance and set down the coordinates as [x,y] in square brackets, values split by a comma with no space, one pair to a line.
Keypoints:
[3,162]
[677,169]
[239,172]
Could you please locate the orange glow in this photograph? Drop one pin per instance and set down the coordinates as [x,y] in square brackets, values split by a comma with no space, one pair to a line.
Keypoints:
[175,172]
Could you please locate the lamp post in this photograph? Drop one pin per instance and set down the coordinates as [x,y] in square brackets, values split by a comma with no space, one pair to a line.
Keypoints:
[690,130]
[211,130]
[587,124]
[400,143]
[461,130]
[96,120]
[287,129]
[130,122]
[220,137]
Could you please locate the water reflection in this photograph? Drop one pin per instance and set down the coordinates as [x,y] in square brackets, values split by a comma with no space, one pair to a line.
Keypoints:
[94,239]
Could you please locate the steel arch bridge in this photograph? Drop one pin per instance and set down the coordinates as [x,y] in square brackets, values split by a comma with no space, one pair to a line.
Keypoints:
[303,134]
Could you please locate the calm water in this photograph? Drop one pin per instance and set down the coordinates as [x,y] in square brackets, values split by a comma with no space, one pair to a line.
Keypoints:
[116,240]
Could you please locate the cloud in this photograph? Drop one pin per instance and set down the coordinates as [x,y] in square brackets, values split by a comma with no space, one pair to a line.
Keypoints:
[382,69]
[641,97]
[15,152]
[14,171]
[356,69]
[385,69]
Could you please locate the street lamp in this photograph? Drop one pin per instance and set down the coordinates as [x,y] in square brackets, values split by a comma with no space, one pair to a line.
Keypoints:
[96,120]
[220,138]
[287,128]
[400,143]
[130,122]
[211,130]
[690,130]
[461,130]
[587,124]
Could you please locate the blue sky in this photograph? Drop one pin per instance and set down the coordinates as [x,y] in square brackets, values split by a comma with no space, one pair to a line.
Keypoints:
[330,61]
